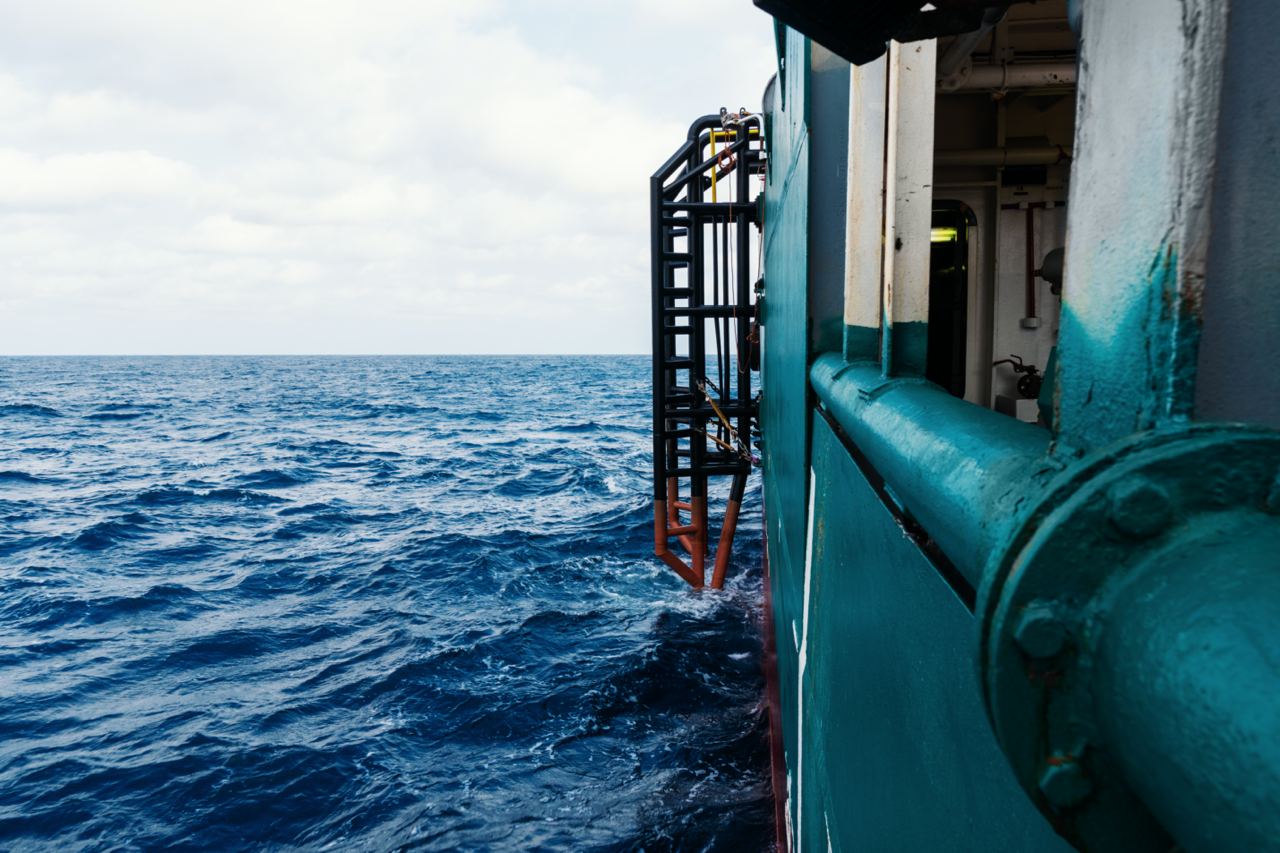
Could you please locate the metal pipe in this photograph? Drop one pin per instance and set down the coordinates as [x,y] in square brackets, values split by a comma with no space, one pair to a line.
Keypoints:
[659,342]
[1031,155]
[698,355]
[1185,688]
[676,417]
[738,148]
[1005,76]
[1030,284]
[1179,660]
[707,210]
[725,548]
[698,517]
[663,552]
[673,162]
[959,470]
[742,299]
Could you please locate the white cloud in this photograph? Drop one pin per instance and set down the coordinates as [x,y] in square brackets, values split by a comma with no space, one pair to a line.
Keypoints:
[398,176]
[28,181]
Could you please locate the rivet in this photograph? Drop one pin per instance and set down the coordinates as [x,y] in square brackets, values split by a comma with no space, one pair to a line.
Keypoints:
[1040,633]
[1064,783]
[1139,508]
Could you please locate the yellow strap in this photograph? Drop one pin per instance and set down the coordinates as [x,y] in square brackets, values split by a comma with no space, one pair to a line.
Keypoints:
[723,420]
[719,414]
[726,446]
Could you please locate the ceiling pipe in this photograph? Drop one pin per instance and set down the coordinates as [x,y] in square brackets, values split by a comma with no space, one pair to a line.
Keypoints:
[1030,155]
[1026,75]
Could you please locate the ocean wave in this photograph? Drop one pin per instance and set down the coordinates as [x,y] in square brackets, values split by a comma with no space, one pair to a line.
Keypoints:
[271,478]
[361,604]
[177,495]
[28,409]
[122,406]
[105,534]
[244,496]
[115,416]
[62,608]
[22,477]
[158,598]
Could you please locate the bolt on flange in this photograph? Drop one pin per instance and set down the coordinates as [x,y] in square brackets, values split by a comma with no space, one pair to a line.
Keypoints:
[1064,782]
[1040,632]
[1139,508]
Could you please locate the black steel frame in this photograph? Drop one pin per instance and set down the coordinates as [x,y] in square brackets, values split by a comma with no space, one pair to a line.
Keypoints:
[685,455]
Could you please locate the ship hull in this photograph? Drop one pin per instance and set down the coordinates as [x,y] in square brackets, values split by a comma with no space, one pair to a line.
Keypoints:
[883,735]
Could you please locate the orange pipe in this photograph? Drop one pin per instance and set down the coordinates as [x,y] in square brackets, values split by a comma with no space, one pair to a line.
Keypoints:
[725,548]
[699,513]
[690,576]
[663,553]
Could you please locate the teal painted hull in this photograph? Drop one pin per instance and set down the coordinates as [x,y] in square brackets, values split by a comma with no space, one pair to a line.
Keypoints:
[885,741]
[993,635]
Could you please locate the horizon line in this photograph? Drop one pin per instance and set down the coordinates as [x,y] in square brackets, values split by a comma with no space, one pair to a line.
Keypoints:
[317,354]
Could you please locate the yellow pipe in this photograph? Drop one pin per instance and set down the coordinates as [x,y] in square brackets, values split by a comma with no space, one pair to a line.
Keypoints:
[713,168]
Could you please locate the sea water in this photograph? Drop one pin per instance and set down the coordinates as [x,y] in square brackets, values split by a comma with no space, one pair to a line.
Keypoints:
[360,604]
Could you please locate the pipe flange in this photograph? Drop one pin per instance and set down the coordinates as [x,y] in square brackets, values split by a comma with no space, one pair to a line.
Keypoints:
[1041,610]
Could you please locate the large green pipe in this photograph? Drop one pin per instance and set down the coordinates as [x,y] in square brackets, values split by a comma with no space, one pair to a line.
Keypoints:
[1185,684]
[1180,660]
[960,470]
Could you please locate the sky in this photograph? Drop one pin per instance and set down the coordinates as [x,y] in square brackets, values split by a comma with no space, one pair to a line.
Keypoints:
[384,176]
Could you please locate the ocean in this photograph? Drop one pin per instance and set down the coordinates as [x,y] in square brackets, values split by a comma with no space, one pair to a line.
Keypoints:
[376,603]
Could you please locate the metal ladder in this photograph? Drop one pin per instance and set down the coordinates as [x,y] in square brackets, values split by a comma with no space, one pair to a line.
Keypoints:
[701,276]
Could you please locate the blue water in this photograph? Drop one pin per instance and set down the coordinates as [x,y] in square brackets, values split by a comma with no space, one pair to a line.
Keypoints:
[360,604]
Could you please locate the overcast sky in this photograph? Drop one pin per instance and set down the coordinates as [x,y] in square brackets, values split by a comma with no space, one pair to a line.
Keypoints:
[382,176]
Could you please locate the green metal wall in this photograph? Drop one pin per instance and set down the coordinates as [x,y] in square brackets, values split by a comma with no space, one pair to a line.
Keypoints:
[1123,567]
[784,402]
[897,751]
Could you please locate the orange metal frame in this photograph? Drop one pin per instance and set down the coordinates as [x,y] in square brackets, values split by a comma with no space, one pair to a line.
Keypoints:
[693,536]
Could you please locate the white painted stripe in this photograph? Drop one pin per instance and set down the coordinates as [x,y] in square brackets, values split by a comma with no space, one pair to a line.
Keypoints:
[804,659]
[786,811]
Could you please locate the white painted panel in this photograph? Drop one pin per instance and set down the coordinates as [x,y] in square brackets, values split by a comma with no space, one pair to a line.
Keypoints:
[1140,195]
[912,76]
[865,222]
